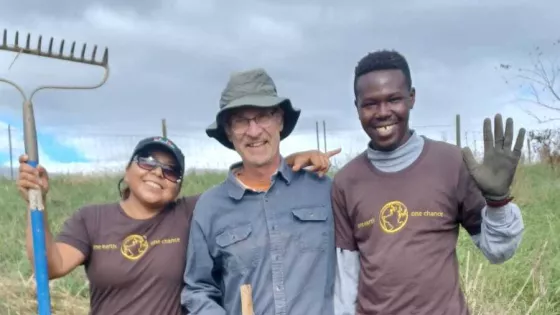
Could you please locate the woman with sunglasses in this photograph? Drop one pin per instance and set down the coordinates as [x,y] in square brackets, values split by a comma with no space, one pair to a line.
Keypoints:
[133,250]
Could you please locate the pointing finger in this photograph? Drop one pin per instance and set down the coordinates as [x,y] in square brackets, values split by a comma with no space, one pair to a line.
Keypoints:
[334,152]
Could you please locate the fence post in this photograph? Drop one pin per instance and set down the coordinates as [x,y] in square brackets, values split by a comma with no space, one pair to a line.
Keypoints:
[11,152]
[458,130]
[164,128]
[317,132]
[325,135]
[529,149]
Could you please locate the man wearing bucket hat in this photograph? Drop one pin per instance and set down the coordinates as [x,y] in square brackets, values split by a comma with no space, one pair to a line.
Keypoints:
[265,227]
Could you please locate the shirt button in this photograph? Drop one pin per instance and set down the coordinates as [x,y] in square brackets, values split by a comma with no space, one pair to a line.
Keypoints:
[278,287]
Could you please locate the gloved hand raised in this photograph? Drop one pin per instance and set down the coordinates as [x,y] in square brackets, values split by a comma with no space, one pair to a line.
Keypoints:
[494,175]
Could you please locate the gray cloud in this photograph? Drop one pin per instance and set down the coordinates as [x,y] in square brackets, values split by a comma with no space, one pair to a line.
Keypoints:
[172,58]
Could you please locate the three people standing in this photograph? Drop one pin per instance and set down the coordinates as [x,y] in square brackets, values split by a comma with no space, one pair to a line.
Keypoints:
[379,239]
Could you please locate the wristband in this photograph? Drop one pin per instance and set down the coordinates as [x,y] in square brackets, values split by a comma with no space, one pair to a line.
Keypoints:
[498,203]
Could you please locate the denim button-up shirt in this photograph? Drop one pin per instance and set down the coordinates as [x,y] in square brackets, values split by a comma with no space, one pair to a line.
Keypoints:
[281,242]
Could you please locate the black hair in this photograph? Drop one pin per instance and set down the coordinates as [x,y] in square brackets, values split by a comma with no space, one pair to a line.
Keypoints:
[124,192]
[382,60]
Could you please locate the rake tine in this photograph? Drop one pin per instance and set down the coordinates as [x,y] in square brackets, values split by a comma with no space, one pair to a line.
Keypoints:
[57,52]
[83,52]
[93,53]
[39,43]
[50,46]
[72,50]
[106,57]
[61,53]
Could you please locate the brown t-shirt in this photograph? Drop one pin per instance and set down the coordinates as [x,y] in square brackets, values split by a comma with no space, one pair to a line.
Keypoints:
[134,266]
[405,225]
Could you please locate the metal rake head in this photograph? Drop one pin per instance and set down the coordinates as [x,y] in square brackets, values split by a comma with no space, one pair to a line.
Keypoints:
[50,54]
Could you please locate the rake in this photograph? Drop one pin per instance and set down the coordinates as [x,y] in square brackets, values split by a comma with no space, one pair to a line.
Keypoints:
[30,139]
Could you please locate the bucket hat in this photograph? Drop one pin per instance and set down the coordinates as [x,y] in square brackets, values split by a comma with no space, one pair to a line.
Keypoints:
[253,88]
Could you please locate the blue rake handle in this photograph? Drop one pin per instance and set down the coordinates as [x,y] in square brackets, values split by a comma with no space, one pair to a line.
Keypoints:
[39,249]
[37,215]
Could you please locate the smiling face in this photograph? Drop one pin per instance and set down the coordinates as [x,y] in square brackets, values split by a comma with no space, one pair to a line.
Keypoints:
[255,134]
[384,101]
[152,178]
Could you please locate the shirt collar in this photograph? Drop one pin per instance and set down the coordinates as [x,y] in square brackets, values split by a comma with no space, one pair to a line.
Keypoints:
[236,190]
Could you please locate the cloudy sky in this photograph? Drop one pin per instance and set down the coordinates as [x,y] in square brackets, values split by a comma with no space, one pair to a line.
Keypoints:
[171,59]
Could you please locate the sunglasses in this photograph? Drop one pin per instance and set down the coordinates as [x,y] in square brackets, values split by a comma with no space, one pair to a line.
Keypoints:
[169,172]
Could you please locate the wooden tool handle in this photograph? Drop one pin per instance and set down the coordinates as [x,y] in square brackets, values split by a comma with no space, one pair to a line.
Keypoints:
[246,299]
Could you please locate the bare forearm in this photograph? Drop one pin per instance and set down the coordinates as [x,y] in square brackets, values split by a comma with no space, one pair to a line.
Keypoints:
[54,260]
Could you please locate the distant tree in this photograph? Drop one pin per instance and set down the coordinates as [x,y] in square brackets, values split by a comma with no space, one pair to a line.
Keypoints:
[540,86]
[539,82]
[546,144]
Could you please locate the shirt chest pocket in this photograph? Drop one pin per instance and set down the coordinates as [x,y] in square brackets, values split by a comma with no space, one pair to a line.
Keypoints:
[238,248]
[313,228]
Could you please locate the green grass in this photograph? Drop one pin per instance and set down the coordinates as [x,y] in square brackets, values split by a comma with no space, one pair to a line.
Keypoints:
[527,284]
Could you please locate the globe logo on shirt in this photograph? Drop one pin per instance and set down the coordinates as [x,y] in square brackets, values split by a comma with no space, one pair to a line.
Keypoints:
[134,246]
[393,217]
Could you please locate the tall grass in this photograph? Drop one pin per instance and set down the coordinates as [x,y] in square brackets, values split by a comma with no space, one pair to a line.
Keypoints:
[527,284]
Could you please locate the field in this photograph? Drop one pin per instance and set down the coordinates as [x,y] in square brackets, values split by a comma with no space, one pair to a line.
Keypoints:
[527,284]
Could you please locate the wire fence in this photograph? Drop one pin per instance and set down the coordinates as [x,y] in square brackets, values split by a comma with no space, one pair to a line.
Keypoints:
[95,152]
